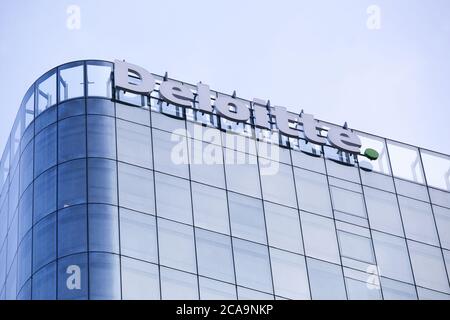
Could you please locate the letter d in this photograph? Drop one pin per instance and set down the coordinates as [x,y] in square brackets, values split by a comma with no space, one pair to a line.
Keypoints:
[121,71]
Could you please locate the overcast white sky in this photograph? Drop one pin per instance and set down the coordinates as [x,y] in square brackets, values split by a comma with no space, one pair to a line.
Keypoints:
[318,55]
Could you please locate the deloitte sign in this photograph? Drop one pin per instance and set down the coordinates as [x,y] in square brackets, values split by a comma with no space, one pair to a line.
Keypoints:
[233,109]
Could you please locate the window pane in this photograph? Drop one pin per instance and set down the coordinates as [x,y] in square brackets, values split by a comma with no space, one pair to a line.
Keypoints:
[395,290]
[99,80]
[306,161]
[44,283]
[72,183]
[312,192]
[247,218]
[71,138]
[170,153]
[210,208]
[138,235]
[134,143]
[437,169]
[411,189]
[24,260]
[100,106]
[45,194]
[283,227]
[242,173]
[25,213]
[359,290]
[215,259]
[101,137]
[442,216]
[428,266]
[216,290]
[338,169]
[356,247]
[73,277]
[176,245]
[45,150]
[319,235]
[206,163]
[44,242]
[71,108]
[136,188]
[289,275]
[71,82]
[102,182]
[72,230]
[103,228]
[326,280]
[379,144]
[104,276]
[277,175]
[140,280]
[25,292]
[392,257]
[133,114]
[173,198]
[405,161]
[418,220]
[247,294]
[252,265]
[439,197]
[177,285]
[26,167]
[426,294]
[348,201]
[46,90]
[383,211]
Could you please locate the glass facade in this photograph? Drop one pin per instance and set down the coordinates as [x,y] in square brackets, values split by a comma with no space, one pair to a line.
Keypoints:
[93,205]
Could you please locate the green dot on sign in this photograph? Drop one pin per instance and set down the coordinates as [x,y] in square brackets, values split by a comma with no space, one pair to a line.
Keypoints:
[371,154]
